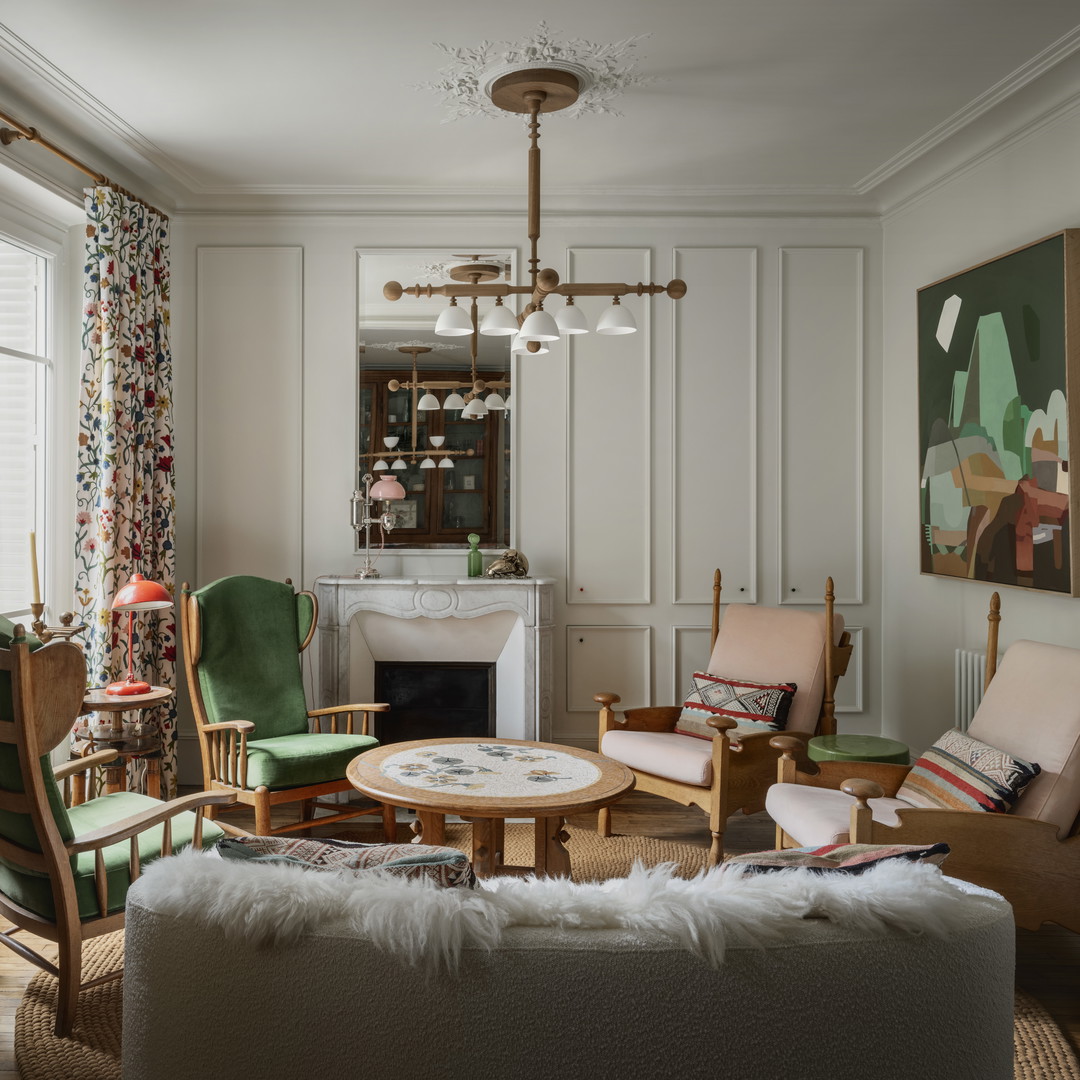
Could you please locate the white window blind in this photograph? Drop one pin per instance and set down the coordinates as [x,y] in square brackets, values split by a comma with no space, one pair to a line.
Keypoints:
[23,365]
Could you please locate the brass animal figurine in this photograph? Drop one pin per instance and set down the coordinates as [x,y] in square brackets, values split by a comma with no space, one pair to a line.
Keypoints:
[511,563]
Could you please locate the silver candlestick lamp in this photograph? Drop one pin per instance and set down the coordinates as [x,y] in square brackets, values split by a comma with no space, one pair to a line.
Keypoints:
[384,489]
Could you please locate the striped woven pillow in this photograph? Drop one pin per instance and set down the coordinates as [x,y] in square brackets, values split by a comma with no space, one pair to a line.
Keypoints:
[446,867]
[755,706]
[961,773]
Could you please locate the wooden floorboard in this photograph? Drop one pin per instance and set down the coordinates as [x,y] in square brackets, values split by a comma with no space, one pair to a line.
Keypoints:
[1047,961]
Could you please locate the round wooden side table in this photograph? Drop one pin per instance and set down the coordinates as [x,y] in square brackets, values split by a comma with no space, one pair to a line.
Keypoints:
[129,744]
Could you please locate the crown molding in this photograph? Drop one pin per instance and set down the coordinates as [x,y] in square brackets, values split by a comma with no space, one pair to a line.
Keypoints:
[1065,47]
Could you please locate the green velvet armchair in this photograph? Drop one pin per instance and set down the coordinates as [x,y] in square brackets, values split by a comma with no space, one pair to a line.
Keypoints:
[65,872]
[243,637]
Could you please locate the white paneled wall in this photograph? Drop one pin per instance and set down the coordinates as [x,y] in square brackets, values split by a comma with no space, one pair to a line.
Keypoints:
[609,376]
[821,424]
[714,475]
[602,658]
[727,432]
[249,353]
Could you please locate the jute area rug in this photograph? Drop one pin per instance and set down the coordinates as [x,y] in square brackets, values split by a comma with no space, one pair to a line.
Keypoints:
[93,1050]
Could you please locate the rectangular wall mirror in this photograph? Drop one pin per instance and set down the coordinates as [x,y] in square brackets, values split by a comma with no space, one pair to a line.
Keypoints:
[414,393]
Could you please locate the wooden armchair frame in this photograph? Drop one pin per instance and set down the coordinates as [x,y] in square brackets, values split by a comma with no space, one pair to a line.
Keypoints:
[1024,859]
[224,747]
[741,771]
[47,693]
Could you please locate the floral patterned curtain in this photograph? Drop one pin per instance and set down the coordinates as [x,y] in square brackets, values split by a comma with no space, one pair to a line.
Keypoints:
[125,497]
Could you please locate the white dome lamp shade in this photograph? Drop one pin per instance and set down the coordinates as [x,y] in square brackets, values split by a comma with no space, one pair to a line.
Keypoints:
[399,465]
[520,345]
[446,463]
[474,410]
[616,320]
[428,402]
[427,463]
[539,326]
[379,466]
[454,321]
[571,319]
[454,401]
[500,321]
[390,441]
[436,440]
[494,400]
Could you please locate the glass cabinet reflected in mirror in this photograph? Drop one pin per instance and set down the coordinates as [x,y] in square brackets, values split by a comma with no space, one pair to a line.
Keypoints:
[434,412]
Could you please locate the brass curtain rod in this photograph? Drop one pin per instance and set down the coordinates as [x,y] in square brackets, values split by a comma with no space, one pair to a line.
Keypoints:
[17,131]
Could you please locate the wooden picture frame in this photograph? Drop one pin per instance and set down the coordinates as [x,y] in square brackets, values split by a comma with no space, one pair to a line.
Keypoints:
[999,363]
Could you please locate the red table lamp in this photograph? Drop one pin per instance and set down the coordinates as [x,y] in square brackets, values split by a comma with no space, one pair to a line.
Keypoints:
[138,594]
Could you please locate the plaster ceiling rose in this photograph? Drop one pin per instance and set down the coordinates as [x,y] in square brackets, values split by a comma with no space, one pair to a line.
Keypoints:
[602,72]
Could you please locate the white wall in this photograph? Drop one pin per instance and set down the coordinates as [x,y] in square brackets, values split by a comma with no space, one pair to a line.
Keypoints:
[641,462]
[1029,188]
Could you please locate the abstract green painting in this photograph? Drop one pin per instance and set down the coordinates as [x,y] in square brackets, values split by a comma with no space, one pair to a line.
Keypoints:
[999,359]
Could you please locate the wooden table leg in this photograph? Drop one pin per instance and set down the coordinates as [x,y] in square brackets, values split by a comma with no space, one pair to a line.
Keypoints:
[115,777]
[552,859]
[430,828]
[153,776]
[486,845]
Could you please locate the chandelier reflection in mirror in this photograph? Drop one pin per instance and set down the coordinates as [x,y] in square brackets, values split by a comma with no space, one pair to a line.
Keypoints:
[531,87]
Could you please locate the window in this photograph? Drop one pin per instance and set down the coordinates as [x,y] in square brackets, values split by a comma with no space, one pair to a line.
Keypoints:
[24,350]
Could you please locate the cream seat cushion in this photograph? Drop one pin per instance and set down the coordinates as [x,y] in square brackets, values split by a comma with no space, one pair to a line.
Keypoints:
[814,816]
[662,753]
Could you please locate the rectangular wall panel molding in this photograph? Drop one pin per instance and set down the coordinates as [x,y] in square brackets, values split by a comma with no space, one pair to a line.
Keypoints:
[690,652]
[821,424]
[608,658]
[609,399]
[714,425]
[850,689]
[249,371]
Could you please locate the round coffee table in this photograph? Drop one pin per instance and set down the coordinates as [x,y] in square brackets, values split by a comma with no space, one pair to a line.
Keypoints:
[486,781]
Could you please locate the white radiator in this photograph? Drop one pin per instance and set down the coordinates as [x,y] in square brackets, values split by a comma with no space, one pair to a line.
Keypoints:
[970,676]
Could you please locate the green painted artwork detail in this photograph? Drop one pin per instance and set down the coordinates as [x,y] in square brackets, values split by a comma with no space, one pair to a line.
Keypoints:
[993,422]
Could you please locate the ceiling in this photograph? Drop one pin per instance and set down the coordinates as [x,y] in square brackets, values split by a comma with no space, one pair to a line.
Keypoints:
[219,104]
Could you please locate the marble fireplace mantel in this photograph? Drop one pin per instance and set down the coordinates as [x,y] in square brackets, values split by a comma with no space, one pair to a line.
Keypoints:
[522,655]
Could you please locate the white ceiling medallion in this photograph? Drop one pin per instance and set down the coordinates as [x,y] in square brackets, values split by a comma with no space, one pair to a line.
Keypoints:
[603,71]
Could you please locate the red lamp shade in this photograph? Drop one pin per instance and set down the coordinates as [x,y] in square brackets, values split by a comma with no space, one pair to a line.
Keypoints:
[387,488]
[138,594]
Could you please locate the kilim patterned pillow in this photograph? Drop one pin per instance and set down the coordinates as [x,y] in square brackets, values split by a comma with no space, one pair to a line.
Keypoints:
[846,858]
[756,706]
[445,866]
[961,773]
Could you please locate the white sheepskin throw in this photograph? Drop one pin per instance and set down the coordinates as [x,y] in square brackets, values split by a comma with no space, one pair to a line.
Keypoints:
[429,926]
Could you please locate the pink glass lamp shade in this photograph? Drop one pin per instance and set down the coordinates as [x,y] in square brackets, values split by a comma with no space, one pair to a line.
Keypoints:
[138,594]
[387,487]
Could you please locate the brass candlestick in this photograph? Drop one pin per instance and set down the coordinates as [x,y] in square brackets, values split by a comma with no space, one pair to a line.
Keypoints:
[65,630]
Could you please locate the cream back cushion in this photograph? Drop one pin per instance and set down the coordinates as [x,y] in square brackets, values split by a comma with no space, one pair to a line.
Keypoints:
[1032,710]
[766,644]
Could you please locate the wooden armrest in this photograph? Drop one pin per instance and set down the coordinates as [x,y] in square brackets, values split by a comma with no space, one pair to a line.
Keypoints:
[91,761]
[146,819]
[245,726]
[381,706]
[787,744]
[862,789]
[887,775]
[656,718]
[722,723]
[606,699]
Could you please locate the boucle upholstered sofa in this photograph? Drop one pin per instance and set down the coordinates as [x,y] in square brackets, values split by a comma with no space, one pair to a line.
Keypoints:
[810,998]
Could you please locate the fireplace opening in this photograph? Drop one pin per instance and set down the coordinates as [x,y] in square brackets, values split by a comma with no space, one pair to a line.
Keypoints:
[434,700]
